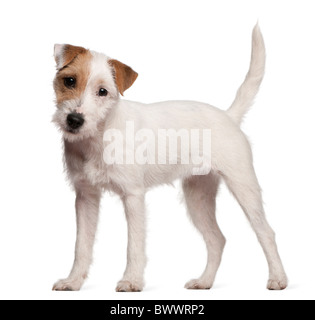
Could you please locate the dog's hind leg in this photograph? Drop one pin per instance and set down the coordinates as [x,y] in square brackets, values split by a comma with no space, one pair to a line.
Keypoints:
[200,195]
[241,179]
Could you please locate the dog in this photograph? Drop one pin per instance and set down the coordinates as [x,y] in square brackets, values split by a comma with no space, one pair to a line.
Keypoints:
[88,86]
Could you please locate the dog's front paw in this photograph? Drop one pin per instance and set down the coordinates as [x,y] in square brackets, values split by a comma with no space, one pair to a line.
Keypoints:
[277,284]
[128,286]
[67,285]
[198,284]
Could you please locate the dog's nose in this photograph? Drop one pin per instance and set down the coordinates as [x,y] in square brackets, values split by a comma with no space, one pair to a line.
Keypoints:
[75,120]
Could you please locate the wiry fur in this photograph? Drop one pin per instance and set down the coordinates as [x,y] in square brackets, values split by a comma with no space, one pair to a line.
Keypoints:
[231,161]
[248,90]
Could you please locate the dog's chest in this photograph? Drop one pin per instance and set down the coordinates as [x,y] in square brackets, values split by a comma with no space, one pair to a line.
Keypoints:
[84,161]
[95,171]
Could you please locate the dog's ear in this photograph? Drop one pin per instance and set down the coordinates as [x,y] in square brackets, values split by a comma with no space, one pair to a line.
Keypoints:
[65,53]
[124,75]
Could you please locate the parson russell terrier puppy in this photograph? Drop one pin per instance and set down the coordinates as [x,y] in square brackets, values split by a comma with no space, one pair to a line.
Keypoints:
[88,87]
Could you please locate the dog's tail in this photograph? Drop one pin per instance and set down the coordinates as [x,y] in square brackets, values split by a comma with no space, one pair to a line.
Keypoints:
[249,88]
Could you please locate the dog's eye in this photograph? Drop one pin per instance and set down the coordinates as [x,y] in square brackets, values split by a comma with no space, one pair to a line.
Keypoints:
[103,92]
[69,82]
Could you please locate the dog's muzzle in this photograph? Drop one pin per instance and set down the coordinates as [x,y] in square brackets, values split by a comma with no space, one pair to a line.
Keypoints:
[75,120]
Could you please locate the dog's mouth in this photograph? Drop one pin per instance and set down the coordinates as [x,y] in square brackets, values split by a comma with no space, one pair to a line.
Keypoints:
[72,131]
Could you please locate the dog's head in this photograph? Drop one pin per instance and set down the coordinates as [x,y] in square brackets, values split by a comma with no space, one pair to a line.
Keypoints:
[87,86]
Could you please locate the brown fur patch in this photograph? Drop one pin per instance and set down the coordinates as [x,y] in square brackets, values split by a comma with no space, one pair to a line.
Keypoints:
[68,54]
[124,75]
[78,67]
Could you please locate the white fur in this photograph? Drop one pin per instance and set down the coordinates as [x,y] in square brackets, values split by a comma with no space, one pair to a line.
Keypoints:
[231,160]
[248,90]
[58,52]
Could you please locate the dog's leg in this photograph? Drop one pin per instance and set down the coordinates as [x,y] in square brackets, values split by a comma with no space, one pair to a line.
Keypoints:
[132,280]
[200,195]
[243,183]
[87,209]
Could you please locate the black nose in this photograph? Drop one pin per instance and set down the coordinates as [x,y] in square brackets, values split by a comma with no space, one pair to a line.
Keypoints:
[75,120]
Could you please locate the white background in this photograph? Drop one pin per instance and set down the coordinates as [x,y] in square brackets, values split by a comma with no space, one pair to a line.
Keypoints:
[193,49]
